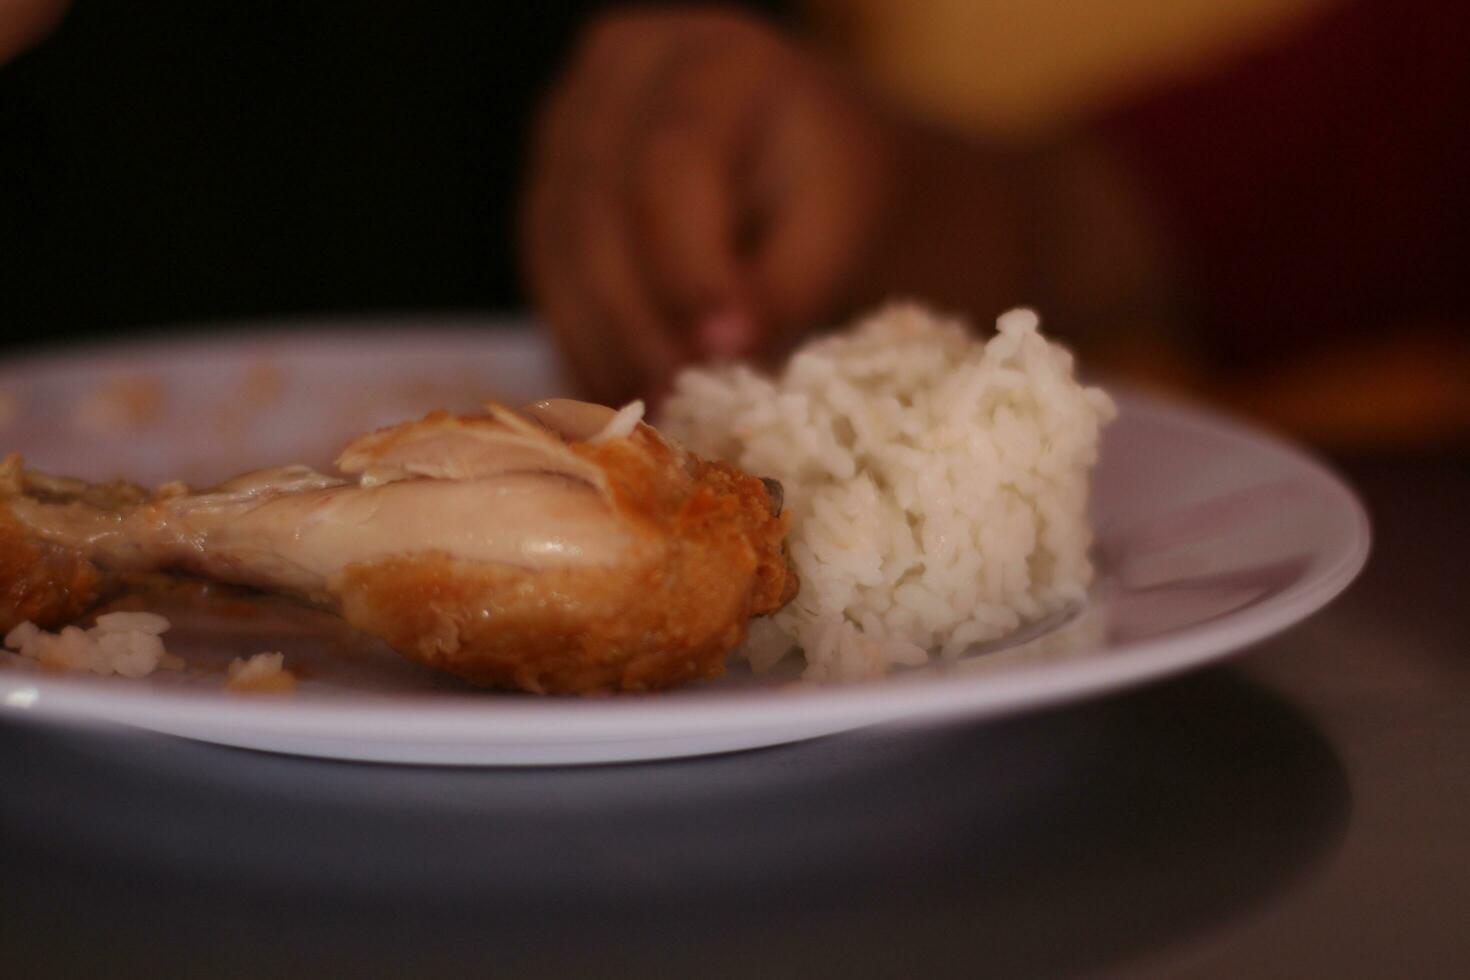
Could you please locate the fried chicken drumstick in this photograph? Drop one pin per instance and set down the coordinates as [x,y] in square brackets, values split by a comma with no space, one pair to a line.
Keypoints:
[543,550]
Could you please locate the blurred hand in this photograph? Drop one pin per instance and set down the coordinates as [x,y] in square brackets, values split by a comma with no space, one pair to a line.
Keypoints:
[24,22]
[698,188]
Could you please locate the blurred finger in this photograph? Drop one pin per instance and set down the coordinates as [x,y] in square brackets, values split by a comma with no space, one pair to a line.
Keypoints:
[557,296]
[687,194]
[685,214]
[545,241]
[820,199]
[568,208]
[616,291]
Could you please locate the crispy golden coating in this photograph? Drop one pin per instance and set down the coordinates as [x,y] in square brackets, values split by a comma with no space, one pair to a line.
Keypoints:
[711,559]
[43,583]
[531,552]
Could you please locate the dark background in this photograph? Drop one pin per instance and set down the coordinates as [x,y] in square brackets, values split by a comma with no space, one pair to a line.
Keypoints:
[175,161]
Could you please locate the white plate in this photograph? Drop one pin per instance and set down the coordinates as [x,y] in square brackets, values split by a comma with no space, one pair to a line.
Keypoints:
[1210,537]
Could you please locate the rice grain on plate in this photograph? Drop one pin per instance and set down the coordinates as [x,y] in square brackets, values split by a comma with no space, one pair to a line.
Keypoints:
[129,644]
[938,484]
[261,673]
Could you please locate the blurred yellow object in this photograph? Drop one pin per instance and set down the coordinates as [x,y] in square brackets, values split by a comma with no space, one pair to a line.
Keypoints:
[1024,68]
[1036,71]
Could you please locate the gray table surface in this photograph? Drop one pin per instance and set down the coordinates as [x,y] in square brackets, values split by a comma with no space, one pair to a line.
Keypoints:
[1302,812]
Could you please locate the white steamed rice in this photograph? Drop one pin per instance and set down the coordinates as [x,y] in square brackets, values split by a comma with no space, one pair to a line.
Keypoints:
[937,483]
[126,643]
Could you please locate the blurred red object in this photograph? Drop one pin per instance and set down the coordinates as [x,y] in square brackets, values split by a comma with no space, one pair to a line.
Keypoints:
[1320,192]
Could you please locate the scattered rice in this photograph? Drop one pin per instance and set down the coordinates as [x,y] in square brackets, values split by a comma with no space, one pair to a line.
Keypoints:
[129,644]
[262,673]
[621,425]
[937,482]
